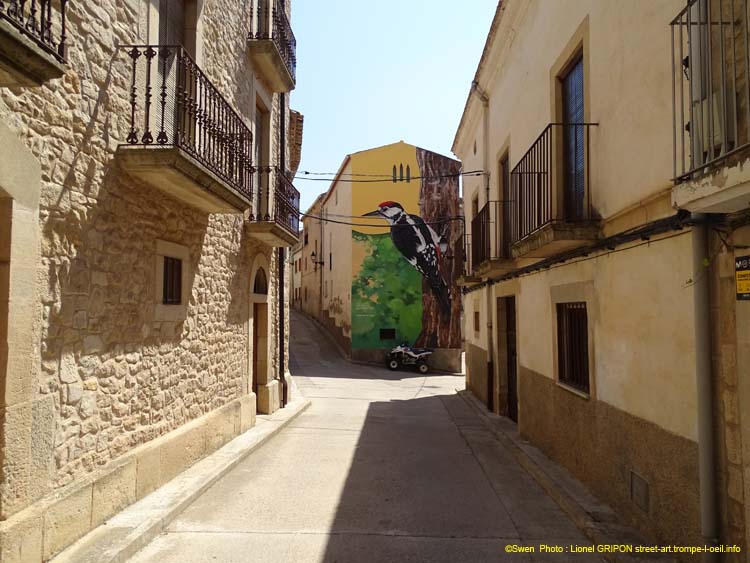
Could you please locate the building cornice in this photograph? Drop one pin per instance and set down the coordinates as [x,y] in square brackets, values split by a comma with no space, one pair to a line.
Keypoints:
[499,40]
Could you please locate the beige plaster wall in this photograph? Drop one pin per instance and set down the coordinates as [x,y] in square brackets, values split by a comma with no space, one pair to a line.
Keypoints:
[628,79]
[311,272]
[643,346]
[337,298]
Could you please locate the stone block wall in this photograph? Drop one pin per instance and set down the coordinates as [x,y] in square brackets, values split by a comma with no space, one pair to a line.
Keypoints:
[730,466]
[107,376]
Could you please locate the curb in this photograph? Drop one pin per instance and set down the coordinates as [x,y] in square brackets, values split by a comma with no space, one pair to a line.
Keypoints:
[126,533]
[597,521]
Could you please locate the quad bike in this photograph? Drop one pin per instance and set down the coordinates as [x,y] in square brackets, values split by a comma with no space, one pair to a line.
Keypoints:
[405,355]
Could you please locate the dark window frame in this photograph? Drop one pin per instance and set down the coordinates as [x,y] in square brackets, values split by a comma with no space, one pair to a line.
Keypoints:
[573,111]
[573,346]
[172,286]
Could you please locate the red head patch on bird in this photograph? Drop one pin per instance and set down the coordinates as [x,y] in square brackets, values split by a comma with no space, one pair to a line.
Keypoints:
[389,204]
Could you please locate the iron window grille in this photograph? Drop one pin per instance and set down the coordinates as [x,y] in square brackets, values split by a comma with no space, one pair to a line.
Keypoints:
[710,86]
[172,292]
[573,345]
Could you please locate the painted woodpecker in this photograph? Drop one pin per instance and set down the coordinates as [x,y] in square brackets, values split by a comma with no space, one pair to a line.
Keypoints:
[420,245]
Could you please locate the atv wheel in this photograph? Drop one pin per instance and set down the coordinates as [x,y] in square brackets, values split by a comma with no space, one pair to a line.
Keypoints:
[392,364]
[423,367]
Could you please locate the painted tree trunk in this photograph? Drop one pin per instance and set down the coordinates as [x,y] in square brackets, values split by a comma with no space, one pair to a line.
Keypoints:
[438,202]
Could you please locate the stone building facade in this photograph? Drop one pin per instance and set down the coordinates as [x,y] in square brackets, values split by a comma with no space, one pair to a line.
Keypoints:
[603,301]
[144,313]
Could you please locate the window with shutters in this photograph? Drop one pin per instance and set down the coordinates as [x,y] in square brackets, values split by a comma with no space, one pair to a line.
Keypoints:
[172,287]
[172,275]
[573,345]
[573,115]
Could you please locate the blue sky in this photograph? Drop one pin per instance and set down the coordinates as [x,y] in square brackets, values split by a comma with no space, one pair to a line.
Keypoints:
[373,73]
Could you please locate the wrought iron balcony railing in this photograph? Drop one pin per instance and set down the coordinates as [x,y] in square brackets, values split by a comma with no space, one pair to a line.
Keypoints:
[40,21]
[174,104]
[272,24]
[710,85]
[551,182]
[490,234]
[276,199]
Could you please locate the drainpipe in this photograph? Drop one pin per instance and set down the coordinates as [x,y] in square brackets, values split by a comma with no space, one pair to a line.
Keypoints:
[485,99]
[703,371]
[282,258]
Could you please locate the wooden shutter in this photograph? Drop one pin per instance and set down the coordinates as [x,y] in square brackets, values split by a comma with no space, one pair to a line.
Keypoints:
[171,22]
[573,131]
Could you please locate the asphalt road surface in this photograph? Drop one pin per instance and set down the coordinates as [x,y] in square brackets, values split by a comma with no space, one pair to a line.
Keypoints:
[384,466]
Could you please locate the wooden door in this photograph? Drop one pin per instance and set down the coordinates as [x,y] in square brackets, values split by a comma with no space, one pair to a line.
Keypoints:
[512,357]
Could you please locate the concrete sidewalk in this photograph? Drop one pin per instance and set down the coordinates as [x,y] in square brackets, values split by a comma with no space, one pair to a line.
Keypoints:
[384,466]
[130,530]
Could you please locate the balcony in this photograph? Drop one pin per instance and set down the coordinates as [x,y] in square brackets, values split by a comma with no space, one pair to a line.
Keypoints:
[276,221]
[32,41]
[711,106]
[550,211]
[490,249]
[273,47]
[185,138]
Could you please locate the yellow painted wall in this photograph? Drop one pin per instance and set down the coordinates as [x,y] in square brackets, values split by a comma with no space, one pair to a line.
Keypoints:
[337,297]
[367,196]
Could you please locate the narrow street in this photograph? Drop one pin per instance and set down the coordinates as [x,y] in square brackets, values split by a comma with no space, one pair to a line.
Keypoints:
[382,467]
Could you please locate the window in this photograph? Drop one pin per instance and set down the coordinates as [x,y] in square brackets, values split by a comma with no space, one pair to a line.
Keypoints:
[394,174]
[387,334]
[172,279]
[474,206]
[306,239]
[573,345]
[506,195]
[260,285]
[330,261]
[408,173]
[401,172]
[573,142]
[476,321]
[172,290]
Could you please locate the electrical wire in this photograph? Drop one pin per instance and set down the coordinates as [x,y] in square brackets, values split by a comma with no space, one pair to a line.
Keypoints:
[600,250]
[440,222]
[390,178]
[606,253]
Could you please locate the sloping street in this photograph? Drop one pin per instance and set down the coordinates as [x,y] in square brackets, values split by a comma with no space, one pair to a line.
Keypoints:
[384,466]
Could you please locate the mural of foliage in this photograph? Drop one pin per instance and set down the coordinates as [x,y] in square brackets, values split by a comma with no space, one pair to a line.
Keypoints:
[386,293]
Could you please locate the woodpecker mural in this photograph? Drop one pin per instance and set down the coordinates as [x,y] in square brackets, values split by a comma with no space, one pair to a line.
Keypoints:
[403,253]
[420,245]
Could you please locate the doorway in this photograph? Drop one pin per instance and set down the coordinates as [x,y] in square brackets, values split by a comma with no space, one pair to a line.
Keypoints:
[259,331]
[507,358]
[512,357]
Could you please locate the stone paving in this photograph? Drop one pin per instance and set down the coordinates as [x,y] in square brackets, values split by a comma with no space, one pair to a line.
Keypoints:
[384,466]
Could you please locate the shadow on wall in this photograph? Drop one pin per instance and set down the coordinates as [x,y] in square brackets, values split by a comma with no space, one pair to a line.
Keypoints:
[415,492]
[120,377]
